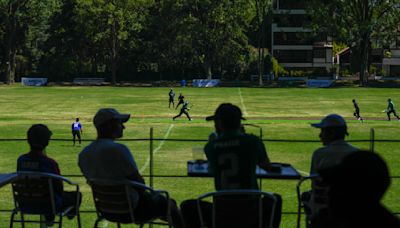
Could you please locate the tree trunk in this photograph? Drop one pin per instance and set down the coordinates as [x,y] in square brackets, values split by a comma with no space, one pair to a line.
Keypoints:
[11,44]
[364,57]
[114,53]
[207,66]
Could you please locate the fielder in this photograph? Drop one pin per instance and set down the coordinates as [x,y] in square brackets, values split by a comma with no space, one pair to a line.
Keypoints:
[171,95]
[180,100]
[357,111]
[76,130]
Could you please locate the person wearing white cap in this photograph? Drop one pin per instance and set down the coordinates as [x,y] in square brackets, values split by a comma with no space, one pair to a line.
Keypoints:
[333,132]
[332,135]
[106,159]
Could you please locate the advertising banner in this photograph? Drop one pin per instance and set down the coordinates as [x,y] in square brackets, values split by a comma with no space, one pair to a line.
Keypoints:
[205,82]
[34,81]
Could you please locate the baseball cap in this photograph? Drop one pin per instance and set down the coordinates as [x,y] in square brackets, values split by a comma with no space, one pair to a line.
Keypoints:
[106,114]
[226,110]
[332,120]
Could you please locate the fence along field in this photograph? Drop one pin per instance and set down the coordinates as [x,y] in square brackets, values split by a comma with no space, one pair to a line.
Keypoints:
[282,113]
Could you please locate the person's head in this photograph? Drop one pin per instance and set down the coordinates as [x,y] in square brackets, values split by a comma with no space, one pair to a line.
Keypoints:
[109,123]
[227,117]
[38,136]
[389,100]
[359,181]
[333,127]
[354,100]
[77,119]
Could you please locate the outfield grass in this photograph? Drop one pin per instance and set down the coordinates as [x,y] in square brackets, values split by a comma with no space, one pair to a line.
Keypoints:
[282,114]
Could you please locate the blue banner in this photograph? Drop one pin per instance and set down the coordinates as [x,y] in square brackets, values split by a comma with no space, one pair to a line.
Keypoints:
[319,83]
[205,82]
[34,81]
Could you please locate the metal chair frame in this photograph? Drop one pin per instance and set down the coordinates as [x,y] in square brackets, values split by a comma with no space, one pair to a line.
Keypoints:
[18,189]
[239,192]
[121,202]
[300,203]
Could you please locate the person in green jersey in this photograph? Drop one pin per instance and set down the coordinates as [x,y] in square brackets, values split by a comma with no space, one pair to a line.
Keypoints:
[390,109]
[232,157]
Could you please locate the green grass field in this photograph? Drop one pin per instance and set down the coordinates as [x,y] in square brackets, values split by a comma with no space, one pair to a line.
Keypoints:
[282,114]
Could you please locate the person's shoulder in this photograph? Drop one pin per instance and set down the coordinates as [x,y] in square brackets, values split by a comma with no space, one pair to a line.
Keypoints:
[250,137]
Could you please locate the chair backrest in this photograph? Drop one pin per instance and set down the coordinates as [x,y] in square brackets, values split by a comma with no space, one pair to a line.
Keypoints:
[116,200]
[34,193]
[240,208]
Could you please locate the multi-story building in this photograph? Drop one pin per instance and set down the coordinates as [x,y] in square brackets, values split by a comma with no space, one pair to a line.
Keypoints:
[391,59]
[291,43]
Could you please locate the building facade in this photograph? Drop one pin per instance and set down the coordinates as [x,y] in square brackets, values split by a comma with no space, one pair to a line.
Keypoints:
[293,46]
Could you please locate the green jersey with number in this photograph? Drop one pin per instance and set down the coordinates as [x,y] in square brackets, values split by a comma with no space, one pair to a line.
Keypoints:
[233,158]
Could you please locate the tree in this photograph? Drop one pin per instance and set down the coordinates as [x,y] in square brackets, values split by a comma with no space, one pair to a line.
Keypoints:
[216,27]
[109,23]
[356,23]
[262,8]
[25,25]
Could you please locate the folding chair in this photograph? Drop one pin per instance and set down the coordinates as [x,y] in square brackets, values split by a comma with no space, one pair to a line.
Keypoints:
[114,201]
[34,194]
[239,208]
[312,201]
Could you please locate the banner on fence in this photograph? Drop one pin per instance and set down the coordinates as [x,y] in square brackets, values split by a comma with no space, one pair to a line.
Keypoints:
[319,83]
[205,82]
[34,81]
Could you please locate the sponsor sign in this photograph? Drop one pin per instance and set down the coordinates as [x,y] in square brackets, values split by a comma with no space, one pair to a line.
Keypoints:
[205,82]
[319,83]
[34,81]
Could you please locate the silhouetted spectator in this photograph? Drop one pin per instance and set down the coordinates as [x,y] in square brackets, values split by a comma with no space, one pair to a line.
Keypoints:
[36,160]
[356,187]
[106,159]
[333,132]
[235,152]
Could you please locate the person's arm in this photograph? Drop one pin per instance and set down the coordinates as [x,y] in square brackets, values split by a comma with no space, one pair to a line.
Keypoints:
[263,159]
[131,170]
[80,128]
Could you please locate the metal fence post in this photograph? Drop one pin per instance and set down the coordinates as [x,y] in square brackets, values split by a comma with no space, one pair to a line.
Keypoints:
[151,157]
[372,140]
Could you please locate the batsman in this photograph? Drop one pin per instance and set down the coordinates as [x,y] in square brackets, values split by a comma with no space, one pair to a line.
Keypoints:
[184,110]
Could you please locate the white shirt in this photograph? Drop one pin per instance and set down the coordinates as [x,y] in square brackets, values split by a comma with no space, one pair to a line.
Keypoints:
[330,155]
[106,159]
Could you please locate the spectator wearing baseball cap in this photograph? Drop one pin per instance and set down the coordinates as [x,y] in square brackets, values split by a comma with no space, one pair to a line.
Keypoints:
[232,146]
[332,135]
[333,130]
[106,159]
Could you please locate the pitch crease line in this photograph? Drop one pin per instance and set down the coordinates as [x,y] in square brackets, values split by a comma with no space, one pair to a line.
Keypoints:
[242,102]
[146,164]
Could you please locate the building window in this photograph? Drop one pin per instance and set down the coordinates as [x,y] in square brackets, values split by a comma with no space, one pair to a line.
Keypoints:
[294,56]
[319,53]
[291,4]
[292,38]
[291,20]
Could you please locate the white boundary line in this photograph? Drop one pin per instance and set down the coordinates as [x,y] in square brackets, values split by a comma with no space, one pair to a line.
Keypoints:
[146,164]
[242,102]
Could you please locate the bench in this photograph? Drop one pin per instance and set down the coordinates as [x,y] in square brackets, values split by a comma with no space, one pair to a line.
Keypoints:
[88,81]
